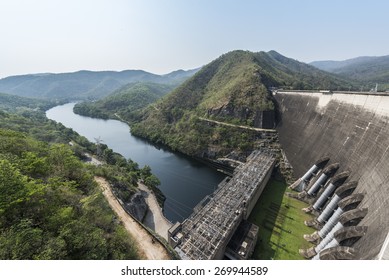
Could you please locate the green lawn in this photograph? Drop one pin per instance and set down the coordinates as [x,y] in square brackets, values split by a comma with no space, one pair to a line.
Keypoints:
[281,224]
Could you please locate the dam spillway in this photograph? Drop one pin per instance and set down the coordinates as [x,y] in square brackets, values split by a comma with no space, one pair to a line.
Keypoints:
[351,129]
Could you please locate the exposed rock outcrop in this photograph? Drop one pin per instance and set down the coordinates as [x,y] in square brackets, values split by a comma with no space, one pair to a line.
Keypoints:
[137,206]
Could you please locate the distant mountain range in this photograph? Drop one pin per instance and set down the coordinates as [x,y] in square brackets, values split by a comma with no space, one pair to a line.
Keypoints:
[12,103]
[368,70]
[86,85]
[83,84]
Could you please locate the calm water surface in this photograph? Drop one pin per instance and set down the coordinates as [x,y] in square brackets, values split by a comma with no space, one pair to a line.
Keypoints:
[184,181]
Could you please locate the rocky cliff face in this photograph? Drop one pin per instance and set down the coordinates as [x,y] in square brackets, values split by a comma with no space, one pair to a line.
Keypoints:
[259,118]
[137,206]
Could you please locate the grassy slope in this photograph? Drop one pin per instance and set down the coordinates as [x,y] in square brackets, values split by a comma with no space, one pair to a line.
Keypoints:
[281,224]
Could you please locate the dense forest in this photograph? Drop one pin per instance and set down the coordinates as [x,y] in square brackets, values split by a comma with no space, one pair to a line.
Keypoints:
[368,70]
[125,102]
[50,205]
[14,103]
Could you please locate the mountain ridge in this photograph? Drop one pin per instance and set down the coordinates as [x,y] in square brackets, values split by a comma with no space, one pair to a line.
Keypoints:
[83,84]
[368,70]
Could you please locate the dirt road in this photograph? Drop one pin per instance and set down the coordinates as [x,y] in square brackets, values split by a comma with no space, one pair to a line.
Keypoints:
[239,126]
[147,249]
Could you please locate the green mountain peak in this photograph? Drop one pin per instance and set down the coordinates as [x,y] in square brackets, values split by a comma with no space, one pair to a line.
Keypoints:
[234,88]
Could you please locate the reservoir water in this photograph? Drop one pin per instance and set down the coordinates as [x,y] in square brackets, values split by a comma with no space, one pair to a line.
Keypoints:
[184,181]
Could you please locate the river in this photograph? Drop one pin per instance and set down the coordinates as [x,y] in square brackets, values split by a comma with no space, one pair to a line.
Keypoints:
[184,181]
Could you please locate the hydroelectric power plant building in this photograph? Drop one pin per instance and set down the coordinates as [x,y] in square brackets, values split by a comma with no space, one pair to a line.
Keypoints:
[207,232]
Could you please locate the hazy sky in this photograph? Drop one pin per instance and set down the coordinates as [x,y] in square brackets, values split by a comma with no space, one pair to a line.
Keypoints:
[160,36]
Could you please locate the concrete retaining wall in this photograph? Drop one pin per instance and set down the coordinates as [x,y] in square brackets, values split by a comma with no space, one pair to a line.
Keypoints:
[352,129]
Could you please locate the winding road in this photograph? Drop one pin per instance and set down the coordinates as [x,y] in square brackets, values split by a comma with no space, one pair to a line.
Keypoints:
[147,248]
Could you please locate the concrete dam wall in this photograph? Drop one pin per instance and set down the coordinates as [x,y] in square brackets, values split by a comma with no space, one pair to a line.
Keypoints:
[352,129]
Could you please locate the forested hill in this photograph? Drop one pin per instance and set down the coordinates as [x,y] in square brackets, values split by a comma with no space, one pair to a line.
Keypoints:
[368,70]
[82,84]
[234,88]
[50,205]
[14,103]
[124,102]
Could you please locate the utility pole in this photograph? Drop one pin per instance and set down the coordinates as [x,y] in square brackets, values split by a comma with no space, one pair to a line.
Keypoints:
[98,146]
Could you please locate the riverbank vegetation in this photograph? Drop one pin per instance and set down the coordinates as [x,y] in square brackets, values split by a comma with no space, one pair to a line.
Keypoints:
[50,205]
[125,102]
[12,103]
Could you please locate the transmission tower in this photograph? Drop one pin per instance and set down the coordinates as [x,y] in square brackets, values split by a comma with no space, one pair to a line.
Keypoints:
[98,145]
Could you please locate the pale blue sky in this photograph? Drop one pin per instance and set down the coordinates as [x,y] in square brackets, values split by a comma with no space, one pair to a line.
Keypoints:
[161,36]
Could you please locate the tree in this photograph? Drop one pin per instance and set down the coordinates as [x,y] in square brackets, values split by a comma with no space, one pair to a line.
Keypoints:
[63,162]
[14,187]
[22,241]
[108,156]
[145,172]
[34,165]
[152,181]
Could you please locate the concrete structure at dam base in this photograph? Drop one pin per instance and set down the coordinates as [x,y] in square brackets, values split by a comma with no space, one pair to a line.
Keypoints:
[218,226]
[321,131]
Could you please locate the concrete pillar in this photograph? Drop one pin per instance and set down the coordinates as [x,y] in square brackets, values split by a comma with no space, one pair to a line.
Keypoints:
[316,257]
[340,193]
[309,173]
[307,176]
[338,253]
[329,209]
[324,196]
[328,242]
[328,237]
[331,223]
[331,244]
[322,179]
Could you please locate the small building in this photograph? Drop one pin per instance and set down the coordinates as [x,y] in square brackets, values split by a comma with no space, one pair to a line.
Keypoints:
[174,234]
[242,243]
